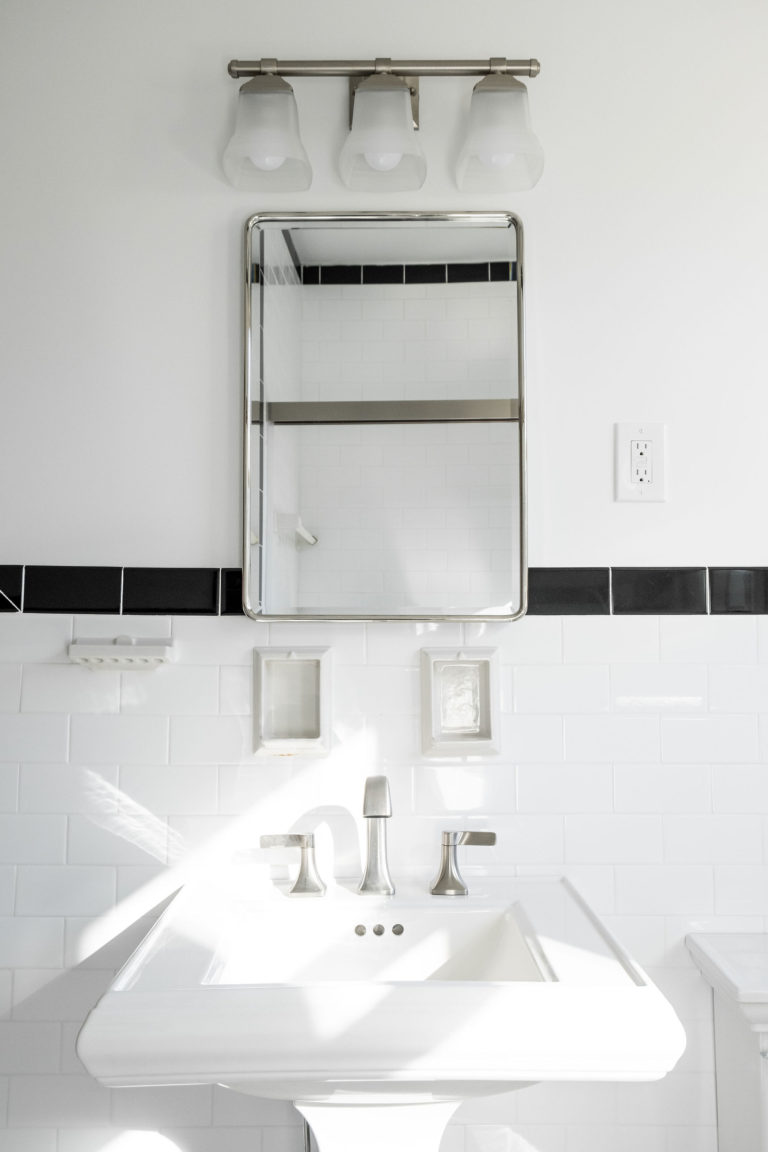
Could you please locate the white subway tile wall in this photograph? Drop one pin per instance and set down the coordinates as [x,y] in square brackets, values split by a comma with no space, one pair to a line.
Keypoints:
[630,760]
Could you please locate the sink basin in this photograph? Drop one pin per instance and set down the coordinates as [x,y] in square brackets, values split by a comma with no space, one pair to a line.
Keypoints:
[400,999]
[379,941]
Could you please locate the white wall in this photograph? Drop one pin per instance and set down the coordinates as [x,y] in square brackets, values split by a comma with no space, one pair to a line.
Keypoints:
[632,757]
[120,313]
[120,350]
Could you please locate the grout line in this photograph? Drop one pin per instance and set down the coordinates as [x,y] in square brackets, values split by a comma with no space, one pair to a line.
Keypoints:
[610,592]
[707,592]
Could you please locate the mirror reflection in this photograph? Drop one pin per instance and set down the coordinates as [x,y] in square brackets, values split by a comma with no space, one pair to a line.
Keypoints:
[384,462]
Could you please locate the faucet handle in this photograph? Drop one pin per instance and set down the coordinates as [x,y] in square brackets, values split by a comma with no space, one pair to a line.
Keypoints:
[449,881]
[488,839]
[308,882]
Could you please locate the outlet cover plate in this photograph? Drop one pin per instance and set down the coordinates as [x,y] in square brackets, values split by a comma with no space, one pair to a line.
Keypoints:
[633,441]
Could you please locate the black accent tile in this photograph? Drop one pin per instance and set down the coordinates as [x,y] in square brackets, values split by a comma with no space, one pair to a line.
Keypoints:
[383,274]
[425,273]
[466,273]
[662,591]
[232,592]
[503,270]
[71,589]
[341,274]
[568,592]
[10,587]
[738,590]
[310,274]
[171,591]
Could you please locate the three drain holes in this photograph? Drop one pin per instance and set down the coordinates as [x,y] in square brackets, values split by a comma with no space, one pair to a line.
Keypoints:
[379,929]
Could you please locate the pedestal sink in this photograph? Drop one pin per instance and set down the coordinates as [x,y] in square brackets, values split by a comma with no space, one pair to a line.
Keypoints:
[378,1016]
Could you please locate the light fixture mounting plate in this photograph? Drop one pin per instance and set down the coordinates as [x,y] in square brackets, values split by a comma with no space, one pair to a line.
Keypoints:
[411,82]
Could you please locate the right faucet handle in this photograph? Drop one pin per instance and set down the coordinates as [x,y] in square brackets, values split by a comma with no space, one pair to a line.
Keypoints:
[449,881]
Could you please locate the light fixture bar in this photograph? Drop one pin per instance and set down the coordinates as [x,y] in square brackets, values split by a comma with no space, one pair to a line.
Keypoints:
[495,65]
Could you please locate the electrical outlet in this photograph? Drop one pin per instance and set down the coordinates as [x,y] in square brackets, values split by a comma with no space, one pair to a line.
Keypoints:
[640,462]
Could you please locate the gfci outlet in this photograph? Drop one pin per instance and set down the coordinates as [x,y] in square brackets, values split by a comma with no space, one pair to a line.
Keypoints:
[640,462]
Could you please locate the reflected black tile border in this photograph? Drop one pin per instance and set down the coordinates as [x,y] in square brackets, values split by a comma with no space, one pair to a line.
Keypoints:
[11,579]
[171,591]
[738,590]
[383,274]
[659,591]
[568,592]
[502,270]
[425,273]
[50,588]
[341,274]
[466,273]
[232,592]
[497,270]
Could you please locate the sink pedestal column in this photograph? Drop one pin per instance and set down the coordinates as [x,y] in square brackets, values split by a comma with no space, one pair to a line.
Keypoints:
[378,1127]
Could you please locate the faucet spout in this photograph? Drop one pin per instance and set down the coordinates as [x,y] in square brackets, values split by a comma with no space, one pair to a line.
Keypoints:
[377,807]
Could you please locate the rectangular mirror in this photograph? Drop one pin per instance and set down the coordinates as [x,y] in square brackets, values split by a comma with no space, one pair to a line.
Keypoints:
[384,438]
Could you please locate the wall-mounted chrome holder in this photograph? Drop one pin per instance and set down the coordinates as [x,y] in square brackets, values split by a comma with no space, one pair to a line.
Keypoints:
[122,654]
[292,701]
[459,701]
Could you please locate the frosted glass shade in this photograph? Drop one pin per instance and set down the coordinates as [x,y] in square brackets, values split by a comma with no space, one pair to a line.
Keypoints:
[500,152]
[382,152]
[265,152]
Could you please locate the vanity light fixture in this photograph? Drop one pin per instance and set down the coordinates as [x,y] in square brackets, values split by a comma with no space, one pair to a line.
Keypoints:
[266,153]
[382,152]
[500,152]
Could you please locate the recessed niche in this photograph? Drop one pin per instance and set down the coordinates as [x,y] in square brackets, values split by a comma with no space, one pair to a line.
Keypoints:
[459,701]
[292,701]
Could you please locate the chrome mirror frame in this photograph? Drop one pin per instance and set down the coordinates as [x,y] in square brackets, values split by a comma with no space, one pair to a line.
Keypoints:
[252,386]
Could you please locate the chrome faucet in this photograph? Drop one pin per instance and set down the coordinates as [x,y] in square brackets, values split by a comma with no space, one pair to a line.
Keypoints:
[449,881]
[307,882]
[377,807]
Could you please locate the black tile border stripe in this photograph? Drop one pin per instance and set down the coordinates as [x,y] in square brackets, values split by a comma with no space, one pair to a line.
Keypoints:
[494,272]
[116,591]
[11,587]
[497,271]
[569,592]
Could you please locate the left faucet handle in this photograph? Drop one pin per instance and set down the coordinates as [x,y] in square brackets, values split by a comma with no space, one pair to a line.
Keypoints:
[307,882]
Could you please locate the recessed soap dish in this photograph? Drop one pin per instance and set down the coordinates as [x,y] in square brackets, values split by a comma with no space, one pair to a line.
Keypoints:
[459,693]
[121,654]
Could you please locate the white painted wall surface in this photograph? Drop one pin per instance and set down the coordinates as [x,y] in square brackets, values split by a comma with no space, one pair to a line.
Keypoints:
[119,316]
[119,370]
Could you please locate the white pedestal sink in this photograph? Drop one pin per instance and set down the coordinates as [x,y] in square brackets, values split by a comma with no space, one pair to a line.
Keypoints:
[377,1016]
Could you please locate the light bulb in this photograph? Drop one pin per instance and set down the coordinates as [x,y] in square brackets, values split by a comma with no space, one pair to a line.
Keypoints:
[268,162]
[496,159]
[383,161]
